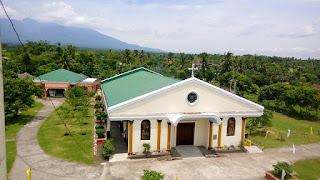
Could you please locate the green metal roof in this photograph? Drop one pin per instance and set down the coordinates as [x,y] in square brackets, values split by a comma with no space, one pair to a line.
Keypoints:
[61,75]
[133,84]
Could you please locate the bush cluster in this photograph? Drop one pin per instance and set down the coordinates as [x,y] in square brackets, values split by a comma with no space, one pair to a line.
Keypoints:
[108,148]
[152,175]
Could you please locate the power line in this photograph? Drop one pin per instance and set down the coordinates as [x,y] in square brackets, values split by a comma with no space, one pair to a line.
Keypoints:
[12,24]
[65,125]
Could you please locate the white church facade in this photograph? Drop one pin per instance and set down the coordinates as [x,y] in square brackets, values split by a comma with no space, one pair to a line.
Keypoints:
[167,112]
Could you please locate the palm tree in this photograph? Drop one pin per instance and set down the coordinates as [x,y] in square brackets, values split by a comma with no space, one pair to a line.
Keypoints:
[204,63]
[227,63]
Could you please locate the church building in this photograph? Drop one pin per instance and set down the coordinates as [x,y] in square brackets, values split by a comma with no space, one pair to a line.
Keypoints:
[167,112]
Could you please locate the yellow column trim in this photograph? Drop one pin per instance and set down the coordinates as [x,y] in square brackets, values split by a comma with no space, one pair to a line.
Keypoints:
[219,138]
[243,128]
[159,135]
[130,137]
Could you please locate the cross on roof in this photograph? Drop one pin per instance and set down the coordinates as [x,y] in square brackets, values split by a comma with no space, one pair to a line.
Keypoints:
[193,68]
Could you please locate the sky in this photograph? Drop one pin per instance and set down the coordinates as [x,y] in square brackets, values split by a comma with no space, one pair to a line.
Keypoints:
[287,28]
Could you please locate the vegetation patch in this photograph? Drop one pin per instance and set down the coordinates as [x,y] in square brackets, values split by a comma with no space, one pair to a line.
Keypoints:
[152,175]
[307,169]
[79,120]
[300,132]
[13,126]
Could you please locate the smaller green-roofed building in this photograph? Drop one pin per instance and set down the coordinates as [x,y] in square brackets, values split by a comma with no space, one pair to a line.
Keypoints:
[57,82]
[61,75]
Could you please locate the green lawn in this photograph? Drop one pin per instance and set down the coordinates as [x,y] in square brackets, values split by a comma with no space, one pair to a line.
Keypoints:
[300,132]
[52,140]
[13,127]
[307,169]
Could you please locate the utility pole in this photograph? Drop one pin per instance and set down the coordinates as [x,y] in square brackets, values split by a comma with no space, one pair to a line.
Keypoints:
[3,161]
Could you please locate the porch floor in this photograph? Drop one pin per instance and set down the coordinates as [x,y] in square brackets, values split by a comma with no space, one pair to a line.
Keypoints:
[188,151]
[115,133]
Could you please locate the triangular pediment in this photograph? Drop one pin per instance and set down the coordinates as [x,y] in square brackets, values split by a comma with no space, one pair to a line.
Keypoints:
[173,100]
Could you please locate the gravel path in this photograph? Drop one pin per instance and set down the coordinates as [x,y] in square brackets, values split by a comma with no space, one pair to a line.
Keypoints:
[43,166]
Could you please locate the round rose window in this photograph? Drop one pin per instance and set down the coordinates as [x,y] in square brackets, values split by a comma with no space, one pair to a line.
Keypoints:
[192,98]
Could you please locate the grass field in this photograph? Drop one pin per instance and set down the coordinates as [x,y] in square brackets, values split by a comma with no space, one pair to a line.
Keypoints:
[300,132]
[52,140]
[13,127]
[307,169]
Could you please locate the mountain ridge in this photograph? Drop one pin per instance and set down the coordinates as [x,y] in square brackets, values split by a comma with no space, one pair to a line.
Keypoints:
[32,30]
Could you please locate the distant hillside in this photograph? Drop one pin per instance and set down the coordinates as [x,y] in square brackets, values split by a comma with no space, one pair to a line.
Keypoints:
[31,30]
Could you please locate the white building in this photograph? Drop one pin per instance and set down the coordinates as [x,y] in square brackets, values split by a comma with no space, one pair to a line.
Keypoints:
[167,112]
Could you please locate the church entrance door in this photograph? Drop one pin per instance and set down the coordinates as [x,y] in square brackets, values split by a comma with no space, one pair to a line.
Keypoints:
[185,133]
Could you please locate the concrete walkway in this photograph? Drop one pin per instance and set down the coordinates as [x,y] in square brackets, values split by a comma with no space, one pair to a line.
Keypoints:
[229,166]
[43,166]
[189,151]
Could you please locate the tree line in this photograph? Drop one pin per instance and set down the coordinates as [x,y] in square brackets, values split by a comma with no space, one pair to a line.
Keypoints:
[253,76]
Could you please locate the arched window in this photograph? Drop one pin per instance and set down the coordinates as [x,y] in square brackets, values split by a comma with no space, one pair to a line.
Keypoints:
[231,126]
[145,130]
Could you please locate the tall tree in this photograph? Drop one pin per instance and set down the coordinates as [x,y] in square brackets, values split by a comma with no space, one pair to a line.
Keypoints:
[227,63]
[204,63]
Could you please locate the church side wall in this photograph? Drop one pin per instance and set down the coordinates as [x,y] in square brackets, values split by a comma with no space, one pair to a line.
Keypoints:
[231,140]
[137,143]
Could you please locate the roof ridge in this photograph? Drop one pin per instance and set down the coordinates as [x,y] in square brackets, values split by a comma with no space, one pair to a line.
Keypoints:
[129,72]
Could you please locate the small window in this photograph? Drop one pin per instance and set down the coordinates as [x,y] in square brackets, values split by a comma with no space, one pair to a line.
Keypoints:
[231,126]
[145,130]
[192,98]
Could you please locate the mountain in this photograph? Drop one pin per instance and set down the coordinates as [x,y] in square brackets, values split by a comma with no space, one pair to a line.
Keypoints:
[32,30]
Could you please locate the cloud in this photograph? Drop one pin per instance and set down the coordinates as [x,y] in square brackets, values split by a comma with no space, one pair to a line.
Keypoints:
[185,7]
[268,27]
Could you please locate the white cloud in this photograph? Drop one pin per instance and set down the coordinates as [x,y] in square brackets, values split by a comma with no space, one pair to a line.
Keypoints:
[268,27]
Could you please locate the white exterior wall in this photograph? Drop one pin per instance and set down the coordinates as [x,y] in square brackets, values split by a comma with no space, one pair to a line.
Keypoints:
[174,101]
[201,134]
[231,140]
[137,142]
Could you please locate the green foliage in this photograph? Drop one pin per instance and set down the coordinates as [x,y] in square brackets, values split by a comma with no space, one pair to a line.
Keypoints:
[18,94]
[307,169]
[279,167]
[108,148]
[152,175]
[244,84]
[100,132]
[77,97]
[252,71]
[54,143]
[99,105]
[98,98]
[147,146]
[260,122]
[101,115]
[99,126]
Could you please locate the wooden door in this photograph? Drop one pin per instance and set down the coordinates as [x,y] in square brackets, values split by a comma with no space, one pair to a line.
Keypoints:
[185,133]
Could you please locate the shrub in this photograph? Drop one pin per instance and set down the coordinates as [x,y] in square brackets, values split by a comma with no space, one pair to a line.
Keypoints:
[99,126]
[151,175]
[98,98]
[99,105]
[91,94]
[108,148]
[100,132]
[147,146]
[101,115]
[279,167]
